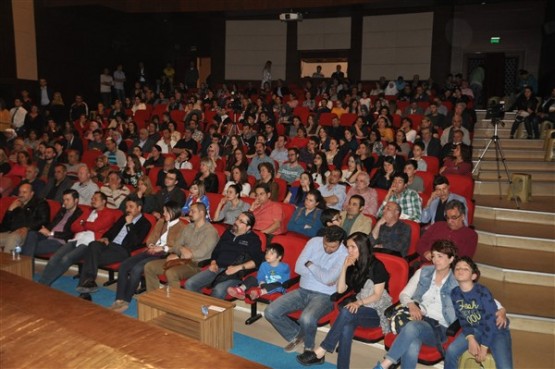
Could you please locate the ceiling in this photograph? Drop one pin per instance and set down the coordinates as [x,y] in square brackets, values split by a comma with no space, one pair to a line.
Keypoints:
[256,7]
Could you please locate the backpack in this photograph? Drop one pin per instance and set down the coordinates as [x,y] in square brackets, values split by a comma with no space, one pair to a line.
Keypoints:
[467,362]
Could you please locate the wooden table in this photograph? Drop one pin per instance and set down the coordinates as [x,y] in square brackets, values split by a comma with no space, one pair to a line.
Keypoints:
[22,267]
[44,328]
[180,311]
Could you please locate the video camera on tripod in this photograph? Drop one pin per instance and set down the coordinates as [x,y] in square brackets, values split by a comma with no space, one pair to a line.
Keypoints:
[496,112]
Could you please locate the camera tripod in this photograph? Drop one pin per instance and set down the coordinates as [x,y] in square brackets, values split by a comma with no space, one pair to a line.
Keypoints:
[499,156]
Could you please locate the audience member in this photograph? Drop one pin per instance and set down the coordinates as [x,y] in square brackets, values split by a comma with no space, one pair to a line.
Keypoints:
[57,184]
[269,214]
[362,189]
[353,219]
[291,170]
[367,277]
[230,206]
[56,233]
[179,258]
[334,193]
[319,267]
[408,199]
[434,211]
[306,219]
[27,213]
[237,253]
[84,186]
[87,228]
[453,229]
[170,191]
[124,236]
[390,233]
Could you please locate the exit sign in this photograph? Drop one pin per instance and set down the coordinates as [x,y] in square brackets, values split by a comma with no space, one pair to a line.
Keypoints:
[495,40]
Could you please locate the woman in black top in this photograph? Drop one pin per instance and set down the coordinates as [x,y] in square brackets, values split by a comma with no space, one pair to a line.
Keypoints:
[206,175]
[367,277]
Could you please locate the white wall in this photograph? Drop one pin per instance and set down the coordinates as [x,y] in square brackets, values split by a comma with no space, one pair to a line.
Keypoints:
[324,34]
[249,44]
[397,45]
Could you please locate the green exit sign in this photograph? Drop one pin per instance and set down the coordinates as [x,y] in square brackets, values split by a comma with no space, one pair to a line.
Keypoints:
[495,40]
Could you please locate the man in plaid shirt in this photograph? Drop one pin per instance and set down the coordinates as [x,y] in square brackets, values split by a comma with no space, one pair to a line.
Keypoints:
[408,199]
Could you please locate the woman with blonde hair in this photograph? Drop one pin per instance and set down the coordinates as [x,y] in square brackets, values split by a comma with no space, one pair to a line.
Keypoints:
[207,176]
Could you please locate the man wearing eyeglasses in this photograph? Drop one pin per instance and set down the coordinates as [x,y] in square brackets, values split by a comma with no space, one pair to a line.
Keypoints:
[453,229]
[319,266]
[237,253]
[291,170]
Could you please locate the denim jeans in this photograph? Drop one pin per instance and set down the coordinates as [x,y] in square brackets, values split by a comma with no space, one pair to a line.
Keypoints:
[407,345]
[60,262]
[342,332]
[37,244]
[203,279]
[501,350]
[129,275]
[314,306]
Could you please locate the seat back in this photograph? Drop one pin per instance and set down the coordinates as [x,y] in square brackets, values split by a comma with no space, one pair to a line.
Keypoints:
[153,175]
[414,236]
[282,188]
[398,270]
[214,199]
[348,119]
[326,118]
[89,157]
[293,244]
[461,185]
[288,211]
[188,175]
[55,207]
[222,179]
[428,179]
[432,163]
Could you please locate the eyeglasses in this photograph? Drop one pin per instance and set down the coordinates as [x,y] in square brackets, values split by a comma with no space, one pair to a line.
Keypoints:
[454,217]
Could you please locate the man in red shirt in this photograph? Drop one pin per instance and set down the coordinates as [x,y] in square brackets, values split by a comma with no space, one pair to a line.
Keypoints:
[268,214]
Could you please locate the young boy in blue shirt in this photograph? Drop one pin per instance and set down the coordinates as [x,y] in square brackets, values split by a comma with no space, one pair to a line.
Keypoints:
[271,274]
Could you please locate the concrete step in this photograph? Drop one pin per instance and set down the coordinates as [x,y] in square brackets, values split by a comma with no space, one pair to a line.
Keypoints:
[544,220]
[515,252]
[487,132]
[539,188]
[510,154]
[480,142]
[512,287]
[525,166]
[491,175]
[533,341]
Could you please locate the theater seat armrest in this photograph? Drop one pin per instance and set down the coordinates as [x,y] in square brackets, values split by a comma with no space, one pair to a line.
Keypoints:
[291,282]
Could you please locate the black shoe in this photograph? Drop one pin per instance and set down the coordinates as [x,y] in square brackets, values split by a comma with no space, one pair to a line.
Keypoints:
[309,358]
[89,286]
[85,296]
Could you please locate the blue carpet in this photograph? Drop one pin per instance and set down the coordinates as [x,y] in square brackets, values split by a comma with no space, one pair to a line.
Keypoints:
[244,346]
